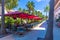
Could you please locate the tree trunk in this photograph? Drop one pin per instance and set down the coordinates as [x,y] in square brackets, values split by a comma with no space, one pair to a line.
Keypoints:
[49,34]
[29,11]
[2,19]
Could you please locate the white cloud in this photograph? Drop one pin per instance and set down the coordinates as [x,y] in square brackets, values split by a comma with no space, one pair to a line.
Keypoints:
[38,0]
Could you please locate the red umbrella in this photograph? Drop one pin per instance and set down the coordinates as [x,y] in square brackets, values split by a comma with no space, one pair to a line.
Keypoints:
[14,16]
[37,18]
[30,17]
[23,16]
[17,14]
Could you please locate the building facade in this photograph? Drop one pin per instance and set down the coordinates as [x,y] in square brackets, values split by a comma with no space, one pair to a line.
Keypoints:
[0,9]
[57,9]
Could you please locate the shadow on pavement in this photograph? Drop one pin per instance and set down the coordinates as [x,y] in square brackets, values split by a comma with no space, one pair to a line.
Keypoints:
[32,35]
[3,35]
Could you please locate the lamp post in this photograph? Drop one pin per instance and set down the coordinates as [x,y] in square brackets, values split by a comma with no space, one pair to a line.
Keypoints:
[2,17]
[49,34]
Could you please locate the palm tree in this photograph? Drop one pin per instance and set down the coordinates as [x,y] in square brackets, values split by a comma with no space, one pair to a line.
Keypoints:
[20,9]
[39,14]
[27,11]
[30,6]
[24,10]
[11,4]
[46,10]
[36,13]
[49,34]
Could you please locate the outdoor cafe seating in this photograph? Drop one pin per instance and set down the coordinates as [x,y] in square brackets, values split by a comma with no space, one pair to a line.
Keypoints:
[24,27]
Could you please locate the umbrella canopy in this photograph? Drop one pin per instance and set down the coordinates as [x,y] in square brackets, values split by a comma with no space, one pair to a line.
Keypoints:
[13,14]
[17,14]
[34,17]
[31,17]
[22,15]
[37,18]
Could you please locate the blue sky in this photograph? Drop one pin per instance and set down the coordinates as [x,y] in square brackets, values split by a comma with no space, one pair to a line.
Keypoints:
[39,4]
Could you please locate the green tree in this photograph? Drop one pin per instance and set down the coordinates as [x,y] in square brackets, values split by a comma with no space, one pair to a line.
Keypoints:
[20,9]
[36,13]
[9,20]
[11,4]
[39,14]
[24,10]
[47,8]
[30,5]
[18,20]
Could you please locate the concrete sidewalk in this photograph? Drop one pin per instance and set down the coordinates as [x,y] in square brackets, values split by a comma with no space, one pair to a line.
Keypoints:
[9,37]
[36,32]
[37,27]
[56,32]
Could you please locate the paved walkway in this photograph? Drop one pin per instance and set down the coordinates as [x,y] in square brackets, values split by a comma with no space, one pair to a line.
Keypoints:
[37,32]
[9,37]
[38,27]
[32,35]
[56,33]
